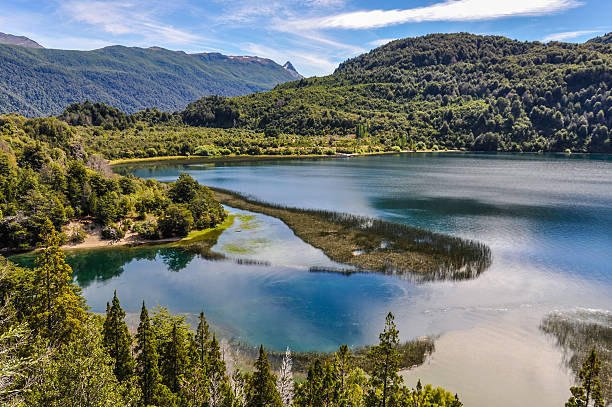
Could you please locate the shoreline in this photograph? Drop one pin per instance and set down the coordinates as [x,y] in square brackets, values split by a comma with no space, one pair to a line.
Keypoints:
[197,159]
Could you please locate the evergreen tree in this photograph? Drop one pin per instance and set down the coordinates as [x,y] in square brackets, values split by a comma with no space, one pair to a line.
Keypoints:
[590,388]
[118,341]
[384,378]
[173,361]
[146,361]
[262,391]
[202,337]
[58,309]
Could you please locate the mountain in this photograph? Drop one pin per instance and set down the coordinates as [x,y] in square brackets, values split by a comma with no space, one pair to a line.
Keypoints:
[459,91]
[604,39]
[289,67]
[18,40]
[41,82]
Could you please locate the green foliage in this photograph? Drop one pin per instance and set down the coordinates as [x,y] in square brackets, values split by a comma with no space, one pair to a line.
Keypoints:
[384,377]
[212,111]
[58,309]
[61,183]
[80,374]
[117,340]
[449,89]
[43,81]
[262,386]
[147,367]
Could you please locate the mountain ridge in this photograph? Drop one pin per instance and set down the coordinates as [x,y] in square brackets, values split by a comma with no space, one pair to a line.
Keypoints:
[42,82]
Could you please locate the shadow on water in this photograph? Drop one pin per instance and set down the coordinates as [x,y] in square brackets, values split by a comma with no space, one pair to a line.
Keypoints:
[474,207]
[578,332]
[100,265]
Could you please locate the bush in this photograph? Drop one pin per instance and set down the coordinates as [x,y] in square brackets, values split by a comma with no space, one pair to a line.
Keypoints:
[112,232]
[177,220]
[146,230]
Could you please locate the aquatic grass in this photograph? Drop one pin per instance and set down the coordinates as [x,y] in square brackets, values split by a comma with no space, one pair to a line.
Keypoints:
[384,247]
[412,353]
[578,332]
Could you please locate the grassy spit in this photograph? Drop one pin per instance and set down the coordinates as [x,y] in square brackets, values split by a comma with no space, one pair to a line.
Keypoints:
[375,245]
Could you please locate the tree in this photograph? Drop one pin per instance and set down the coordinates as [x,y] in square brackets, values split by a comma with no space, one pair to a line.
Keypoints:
[262,389]
[284,383]
[118,341]
[173,360]
[58,309]
[146,361]
[79,374]
[202,336]
[590,388]
[384,357]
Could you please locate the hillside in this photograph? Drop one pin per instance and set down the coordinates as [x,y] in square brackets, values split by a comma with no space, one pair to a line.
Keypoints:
[18,40]
[42,82]
[446,90]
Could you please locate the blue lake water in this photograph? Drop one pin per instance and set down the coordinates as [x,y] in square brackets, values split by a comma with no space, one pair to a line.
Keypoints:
[547,219]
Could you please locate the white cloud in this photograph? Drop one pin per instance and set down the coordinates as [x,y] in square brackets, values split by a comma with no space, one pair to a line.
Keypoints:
[449,10]
[562,36]
[382,41]
[122,18]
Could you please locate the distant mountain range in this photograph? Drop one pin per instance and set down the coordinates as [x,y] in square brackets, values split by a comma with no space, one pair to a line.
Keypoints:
[35,81]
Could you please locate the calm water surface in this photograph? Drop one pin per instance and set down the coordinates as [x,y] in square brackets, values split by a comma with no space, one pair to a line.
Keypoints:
[547,219]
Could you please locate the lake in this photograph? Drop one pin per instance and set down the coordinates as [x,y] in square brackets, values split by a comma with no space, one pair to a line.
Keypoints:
[547,219]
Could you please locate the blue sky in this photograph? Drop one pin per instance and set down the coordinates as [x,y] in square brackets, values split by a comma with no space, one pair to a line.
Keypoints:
[315,35]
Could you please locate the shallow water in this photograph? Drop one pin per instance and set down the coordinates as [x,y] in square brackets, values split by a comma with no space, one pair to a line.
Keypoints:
[547,219]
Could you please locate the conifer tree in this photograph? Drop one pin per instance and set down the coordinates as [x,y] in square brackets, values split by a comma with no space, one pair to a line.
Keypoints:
[202,337]
[343,365]
[173,361]
[262,389]
[118,341]
[590,388]
[146,361]
[384,378]
[58,309]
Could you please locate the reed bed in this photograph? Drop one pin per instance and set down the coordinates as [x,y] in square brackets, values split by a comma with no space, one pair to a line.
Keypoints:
[375,245]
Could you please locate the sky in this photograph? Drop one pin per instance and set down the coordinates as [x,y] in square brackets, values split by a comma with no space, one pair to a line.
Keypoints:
[315,35]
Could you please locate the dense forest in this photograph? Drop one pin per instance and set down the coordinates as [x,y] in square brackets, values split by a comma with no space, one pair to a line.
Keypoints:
[46,175]
[451,90]
[440,91]
[41,82]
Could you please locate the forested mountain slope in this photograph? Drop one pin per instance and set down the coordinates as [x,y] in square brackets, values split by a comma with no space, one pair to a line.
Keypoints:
[41,82]
[450,90]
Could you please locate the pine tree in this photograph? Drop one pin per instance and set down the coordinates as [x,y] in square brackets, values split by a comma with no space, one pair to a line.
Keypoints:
[590,388]
[284,383]
[202,338]
[262,389]
[118,341]
[146,361]
[173,361]
[215,371]
[343,365]
[58,309]
[385,380]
